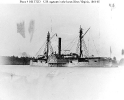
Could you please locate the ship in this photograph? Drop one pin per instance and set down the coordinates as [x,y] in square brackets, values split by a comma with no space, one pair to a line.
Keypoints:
[53,59]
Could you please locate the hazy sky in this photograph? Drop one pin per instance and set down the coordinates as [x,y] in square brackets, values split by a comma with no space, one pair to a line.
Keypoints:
[106,26]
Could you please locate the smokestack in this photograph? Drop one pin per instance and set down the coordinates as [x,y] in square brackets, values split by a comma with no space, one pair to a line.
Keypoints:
[59,46]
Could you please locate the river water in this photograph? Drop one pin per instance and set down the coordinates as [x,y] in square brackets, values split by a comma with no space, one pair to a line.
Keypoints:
[19,82]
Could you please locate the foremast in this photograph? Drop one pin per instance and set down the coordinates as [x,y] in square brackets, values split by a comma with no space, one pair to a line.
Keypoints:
[48,43]
[80,38]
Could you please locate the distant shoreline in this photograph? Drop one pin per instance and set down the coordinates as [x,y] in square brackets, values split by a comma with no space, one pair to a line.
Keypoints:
[14,60]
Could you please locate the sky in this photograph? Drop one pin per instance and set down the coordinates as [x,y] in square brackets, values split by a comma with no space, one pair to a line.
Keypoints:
[106,27]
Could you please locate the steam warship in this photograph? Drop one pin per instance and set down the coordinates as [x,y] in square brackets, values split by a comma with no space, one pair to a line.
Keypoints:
[53,59]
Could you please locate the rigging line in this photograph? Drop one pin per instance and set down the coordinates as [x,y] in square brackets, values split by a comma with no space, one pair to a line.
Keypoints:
[45,49]
[51,25]
[77,49]
[99,27]
[69,46]
[84,47]
[53,36]
[73,45]
[70,43]
[45,45]
[88,44]
[51,48]
[40,48]
[94,45]
[95,48]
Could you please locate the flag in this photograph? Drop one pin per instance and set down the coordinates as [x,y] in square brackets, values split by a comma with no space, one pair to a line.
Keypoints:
[31,29]
[21,29]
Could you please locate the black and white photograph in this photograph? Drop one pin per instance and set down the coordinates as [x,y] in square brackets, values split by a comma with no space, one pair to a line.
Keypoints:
[61,50]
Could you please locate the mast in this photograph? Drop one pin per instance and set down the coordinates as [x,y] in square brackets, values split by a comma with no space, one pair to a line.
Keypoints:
[48,41]
[80,37]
